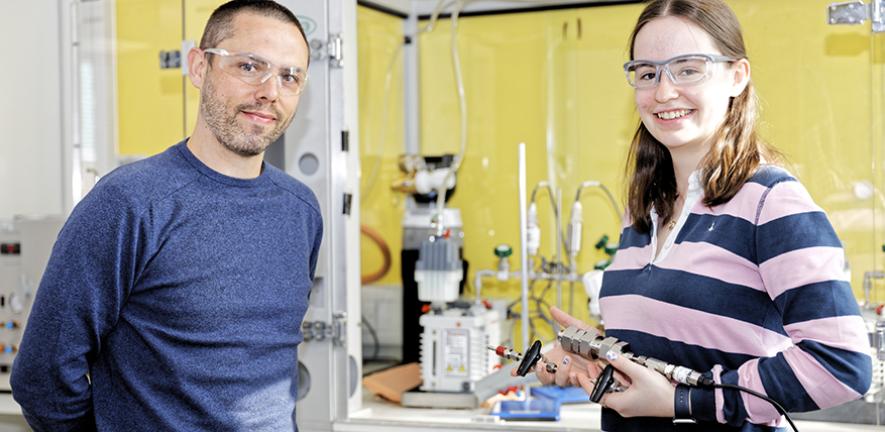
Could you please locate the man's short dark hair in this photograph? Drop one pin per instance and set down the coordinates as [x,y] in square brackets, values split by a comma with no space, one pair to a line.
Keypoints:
[220,24]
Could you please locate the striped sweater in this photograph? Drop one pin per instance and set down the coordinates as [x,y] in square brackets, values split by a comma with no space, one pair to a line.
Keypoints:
[752,292]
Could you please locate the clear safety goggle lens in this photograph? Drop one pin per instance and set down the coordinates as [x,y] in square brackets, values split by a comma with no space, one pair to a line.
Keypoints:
[254,70]
[682,70]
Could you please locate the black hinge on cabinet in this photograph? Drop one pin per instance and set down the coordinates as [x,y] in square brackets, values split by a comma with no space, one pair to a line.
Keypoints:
[345,141]
[348,198]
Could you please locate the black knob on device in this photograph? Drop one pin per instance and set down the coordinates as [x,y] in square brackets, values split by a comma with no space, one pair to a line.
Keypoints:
[604,382]
[530,359]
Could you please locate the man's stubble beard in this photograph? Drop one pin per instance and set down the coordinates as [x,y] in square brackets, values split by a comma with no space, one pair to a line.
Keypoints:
[226,128]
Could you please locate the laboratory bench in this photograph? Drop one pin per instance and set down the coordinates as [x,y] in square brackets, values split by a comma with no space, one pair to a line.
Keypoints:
[379,415]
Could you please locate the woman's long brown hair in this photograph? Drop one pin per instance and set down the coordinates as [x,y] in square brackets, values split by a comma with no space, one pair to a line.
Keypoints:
[737,149]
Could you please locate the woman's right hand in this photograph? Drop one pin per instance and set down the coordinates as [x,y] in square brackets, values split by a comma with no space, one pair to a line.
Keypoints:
[569,365]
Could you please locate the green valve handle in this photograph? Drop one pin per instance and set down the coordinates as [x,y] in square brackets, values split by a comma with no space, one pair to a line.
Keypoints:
[503,250]
[602,242]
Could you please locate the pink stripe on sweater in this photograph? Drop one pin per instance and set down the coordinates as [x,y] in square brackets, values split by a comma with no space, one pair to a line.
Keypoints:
[758,410]
[844,332]
[634,312]
[718,397]
[785,199]
[633,258]
[744,205]
[802,267]
[822,387]
[709,260]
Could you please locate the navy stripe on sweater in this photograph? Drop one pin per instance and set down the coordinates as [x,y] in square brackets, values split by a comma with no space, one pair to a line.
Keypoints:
[697,292]
[726,231]
[781,384]
[797,231]
[815,301]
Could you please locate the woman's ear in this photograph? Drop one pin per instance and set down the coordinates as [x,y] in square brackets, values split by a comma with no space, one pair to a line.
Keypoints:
[741,71]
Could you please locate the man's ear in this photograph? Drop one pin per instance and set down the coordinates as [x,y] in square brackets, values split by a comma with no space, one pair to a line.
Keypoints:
[741,69]
[197,63]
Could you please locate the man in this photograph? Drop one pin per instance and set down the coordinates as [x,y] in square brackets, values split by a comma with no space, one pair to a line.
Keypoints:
[174,296]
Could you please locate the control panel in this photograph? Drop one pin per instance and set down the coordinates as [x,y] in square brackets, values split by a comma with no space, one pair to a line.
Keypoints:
[25,246]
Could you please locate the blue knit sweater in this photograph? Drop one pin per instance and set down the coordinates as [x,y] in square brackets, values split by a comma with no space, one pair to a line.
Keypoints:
[173,300]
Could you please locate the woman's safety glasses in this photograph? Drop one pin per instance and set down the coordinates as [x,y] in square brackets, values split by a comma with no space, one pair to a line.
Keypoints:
[688,69]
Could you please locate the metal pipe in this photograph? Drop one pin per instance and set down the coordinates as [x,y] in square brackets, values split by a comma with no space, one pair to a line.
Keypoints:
[611,198]
[523,248]
[559,245]
[411,88]
[477,278]
[477,282]
[554,198]
[554,276]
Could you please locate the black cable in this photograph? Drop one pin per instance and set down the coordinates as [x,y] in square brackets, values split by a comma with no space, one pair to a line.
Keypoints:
[377,343]
[539,312]
[774,403]
[543,316]
[539,306]
[517,301]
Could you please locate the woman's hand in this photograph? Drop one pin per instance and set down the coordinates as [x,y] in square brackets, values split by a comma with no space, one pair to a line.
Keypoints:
[649,394]
[569,366]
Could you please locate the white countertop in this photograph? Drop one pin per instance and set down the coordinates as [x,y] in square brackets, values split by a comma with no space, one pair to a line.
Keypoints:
[379,415]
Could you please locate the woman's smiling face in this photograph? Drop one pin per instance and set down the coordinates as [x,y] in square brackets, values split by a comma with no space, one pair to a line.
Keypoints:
[684,116]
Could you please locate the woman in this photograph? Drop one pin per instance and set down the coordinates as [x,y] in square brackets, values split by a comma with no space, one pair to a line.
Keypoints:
[726,266]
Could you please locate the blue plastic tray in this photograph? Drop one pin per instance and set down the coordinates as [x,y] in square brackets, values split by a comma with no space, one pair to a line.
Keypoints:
[539,409]
[563,395]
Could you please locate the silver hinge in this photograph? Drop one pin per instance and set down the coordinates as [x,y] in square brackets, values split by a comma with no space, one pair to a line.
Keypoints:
[856,12]
[319,331]
[331,49]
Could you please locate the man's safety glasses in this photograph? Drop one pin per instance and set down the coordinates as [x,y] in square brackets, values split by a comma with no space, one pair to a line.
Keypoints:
[254,70]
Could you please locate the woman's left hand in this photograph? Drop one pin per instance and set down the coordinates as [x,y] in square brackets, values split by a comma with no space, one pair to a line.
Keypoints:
[649,394]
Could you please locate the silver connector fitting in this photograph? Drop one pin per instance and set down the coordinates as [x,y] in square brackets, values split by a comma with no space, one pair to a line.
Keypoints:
[591,345]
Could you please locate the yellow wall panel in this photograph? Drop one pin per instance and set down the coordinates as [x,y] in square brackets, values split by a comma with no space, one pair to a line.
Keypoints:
[196,15]
[380,39]
[154,113]
[595,116]
[149,98]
